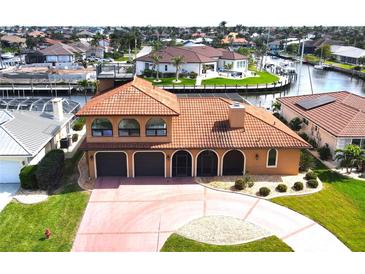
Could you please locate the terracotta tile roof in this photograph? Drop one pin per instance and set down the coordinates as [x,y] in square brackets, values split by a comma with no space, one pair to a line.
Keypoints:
[343,118]
[203,123]
[139,97]
[198,54]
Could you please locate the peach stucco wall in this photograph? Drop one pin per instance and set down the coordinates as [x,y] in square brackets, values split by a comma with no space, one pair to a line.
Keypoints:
[287,164]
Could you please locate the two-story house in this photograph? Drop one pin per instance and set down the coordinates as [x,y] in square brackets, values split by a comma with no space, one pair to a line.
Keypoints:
[138,129]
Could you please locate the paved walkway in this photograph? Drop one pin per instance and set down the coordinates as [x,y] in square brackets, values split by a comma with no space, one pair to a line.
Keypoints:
[7,191]
[140,214]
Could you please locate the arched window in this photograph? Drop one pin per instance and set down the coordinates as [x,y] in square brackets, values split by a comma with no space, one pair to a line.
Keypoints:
[102,127]
[156,127]
[128,127]
[272,158]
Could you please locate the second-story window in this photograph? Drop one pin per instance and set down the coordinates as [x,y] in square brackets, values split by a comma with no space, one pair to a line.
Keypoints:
[129,127]
[156,127]
[101,127]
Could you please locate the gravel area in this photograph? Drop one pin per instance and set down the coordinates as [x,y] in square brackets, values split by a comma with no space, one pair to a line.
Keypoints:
[270,181]
[222,230]
[31,197]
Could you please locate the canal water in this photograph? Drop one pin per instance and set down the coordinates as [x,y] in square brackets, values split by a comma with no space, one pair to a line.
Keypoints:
[322,81]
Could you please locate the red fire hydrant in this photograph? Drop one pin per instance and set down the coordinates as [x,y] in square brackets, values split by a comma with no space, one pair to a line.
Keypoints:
[47,233]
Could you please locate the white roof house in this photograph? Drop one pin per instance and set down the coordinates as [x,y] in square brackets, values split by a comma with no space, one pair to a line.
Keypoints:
[347,54]
[26,136]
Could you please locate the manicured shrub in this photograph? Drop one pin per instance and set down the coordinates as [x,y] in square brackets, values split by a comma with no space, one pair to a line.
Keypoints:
[281,188]
[264,191]
[193,75]
[313,143]
[306,161]
[75,137]
[313,183]
[78,124]
[298,186]
[50,170]
[296,124]
[27,177]
[240,184]
[310,175]
[304,136]
[251,184]
[324,153]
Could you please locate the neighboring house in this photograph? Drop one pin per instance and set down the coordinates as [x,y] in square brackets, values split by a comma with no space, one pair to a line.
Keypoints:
[335,118]
[198,59]
[138,129]
[85,34]
[95,52]
[275,46]
[33,56]
[60,53]
[347,54]
[234,41]
[10,40]
[144,51]
[26,136]
[36,33]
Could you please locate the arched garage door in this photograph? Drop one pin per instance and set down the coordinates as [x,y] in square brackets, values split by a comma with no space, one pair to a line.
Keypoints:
[149,164]
[111,164]
[207,164]
[233,163]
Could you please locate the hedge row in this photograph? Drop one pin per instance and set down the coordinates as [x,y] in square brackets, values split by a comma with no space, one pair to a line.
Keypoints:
[28,178]
[50,170]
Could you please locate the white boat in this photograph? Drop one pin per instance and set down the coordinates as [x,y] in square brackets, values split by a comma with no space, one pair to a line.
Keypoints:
[319,67]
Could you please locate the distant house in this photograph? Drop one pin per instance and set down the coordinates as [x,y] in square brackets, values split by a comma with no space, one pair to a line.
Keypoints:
[10,40]
[347,54]
[26,136]
[334,119]
[60,53]
[198,59]
[235,41]
[36,33]
[97,52]
[33,56]
[275,46]
[85,34]
[310,46]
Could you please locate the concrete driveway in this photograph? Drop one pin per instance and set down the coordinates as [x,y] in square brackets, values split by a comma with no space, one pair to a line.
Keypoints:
[7,191]
[140,214]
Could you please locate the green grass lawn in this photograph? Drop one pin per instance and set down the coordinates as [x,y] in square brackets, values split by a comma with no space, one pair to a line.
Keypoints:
[22,226]
[340,65]
[122,58]
[264,78]
[177,243]
[168,81]
[339,207]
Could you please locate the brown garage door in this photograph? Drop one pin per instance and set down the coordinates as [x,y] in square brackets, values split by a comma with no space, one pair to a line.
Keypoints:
[149,164]
[111,164]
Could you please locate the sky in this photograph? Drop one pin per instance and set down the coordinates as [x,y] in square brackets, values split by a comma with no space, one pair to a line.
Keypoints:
[182,12]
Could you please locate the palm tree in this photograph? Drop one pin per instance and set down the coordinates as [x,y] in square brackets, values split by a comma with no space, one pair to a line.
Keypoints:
[350,156]
[177,61]
[156,63]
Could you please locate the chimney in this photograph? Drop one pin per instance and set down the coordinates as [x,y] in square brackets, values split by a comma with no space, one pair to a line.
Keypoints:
[236,115]
[57,109]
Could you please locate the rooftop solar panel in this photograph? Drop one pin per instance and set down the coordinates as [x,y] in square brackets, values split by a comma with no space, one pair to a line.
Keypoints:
[311,103]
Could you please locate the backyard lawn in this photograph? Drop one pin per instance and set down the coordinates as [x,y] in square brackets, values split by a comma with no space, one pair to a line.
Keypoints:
[168,81]
[339,207]
[177,243]
[264,78]
[22,226]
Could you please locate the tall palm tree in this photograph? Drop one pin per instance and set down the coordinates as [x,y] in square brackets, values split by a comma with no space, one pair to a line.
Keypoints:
[156,63]
[350,156]
[177,62]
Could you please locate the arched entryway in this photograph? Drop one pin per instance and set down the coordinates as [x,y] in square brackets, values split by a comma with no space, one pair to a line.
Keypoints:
[233,163]
[207,164]
[181,164]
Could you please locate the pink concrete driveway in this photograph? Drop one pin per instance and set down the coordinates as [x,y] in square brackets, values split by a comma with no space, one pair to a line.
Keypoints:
[140,214]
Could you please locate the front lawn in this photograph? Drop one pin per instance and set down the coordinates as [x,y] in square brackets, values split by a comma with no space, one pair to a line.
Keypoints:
[263,78]
[339,207]
[22,226]
[168,81]
[177,243]
[340,65]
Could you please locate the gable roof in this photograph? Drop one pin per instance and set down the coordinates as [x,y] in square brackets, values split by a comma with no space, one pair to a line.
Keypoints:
[138,97]
[343,118]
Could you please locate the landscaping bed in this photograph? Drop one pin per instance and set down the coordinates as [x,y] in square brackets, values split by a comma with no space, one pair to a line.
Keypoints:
[22,226]
[177,243]
[272,182]
[169,81]
[339,207]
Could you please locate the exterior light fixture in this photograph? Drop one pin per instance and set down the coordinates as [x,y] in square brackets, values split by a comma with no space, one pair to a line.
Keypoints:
[257,156]
[91,157]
